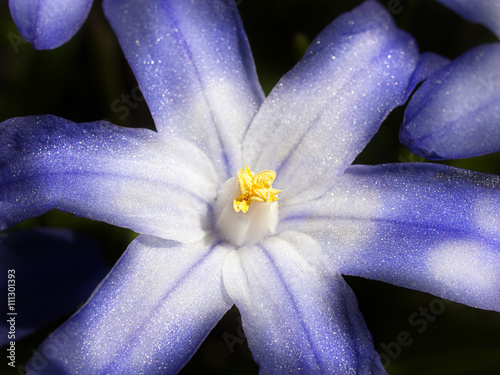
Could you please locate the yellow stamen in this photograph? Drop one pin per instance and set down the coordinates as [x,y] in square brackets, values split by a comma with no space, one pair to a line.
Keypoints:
[255,188]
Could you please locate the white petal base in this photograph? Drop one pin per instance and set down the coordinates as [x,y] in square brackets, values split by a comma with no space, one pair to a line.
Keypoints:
[241,228]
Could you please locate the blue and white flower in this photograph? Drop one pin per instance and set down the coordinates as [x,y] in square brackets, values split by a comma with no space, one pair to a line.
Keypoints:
[186,188]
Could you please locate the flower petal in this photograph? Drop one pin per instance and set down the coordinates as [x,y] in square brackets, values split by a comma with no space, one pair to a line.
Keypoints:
[126,177]
[428,64]
[486,12]
[149,315]
[47,24]
[421,226]
[456,112]
[33,262]
[195,69]
[325,110]
[298,314]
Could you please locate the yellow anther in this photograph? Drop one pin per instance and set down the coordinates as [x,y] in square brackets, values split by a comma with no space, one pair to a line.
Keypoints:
[255,188]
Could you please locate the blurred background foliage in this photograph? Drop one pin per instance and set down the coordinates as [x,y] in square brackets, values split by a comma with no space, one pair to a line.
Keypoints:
[88,79]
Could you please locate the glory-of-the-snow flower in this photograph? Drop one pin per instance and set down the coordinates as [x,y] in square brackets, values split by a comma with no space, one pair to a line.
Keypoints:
[252,201]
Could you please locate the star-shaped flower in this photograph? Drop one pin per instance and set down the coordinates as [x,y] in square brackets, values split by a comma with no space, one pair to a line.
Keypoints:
[426,227]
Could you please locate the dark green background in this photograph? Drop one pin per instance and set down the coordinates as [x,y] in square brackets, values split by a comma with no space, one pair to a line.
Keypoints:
[82,79]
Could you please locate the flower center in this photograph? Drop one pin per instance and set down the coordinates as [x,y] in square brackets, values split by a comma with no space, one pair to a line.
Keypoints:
[246,209]
[255,188]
